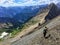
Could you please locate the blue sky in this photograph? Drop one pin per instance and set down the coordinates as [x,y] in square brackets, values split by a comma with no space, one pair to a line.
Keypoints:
[7,3]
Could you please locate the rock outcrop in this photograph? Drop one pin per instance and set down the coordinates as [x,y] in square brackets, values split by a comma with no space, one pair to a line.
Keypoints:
[54,11]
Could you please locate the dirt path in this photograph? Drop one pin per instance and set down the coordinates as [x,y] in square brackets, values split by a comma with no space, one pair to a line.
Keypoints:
[24,32]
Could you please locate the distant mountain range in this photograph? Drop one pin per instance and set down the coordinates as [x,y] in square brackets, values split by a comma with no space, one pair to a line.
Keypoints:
[19,15]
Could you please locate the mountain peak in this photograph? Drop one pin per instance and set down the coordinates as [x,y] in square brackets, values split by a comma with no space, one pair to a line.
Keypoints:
[52,5]
[53,11]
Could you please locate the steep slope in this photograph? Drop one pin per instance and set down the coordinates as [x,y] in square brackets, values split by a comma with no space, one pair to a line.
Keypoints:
[36,38]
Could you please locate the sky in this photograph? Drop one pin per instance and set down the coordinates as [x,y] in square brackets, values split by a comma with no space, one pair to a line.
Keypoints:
[8,3]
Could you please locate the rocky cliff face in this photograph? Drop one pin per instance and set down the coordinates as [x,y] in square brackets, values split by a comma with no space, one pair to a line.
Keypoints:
[54,11]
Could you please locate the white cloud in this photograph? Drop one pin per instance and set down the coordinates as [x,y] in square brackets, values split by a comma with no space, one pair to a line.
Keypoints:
[2,1]
[26,3]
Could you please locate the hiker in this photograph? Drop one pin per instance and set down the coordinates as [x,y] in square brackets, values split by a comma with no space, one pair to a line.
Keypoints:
[45,32]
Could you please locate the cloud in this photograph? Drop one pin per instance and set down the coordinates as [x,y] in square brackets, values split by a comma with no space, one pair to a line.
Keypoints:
[1,1]
[7,3]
